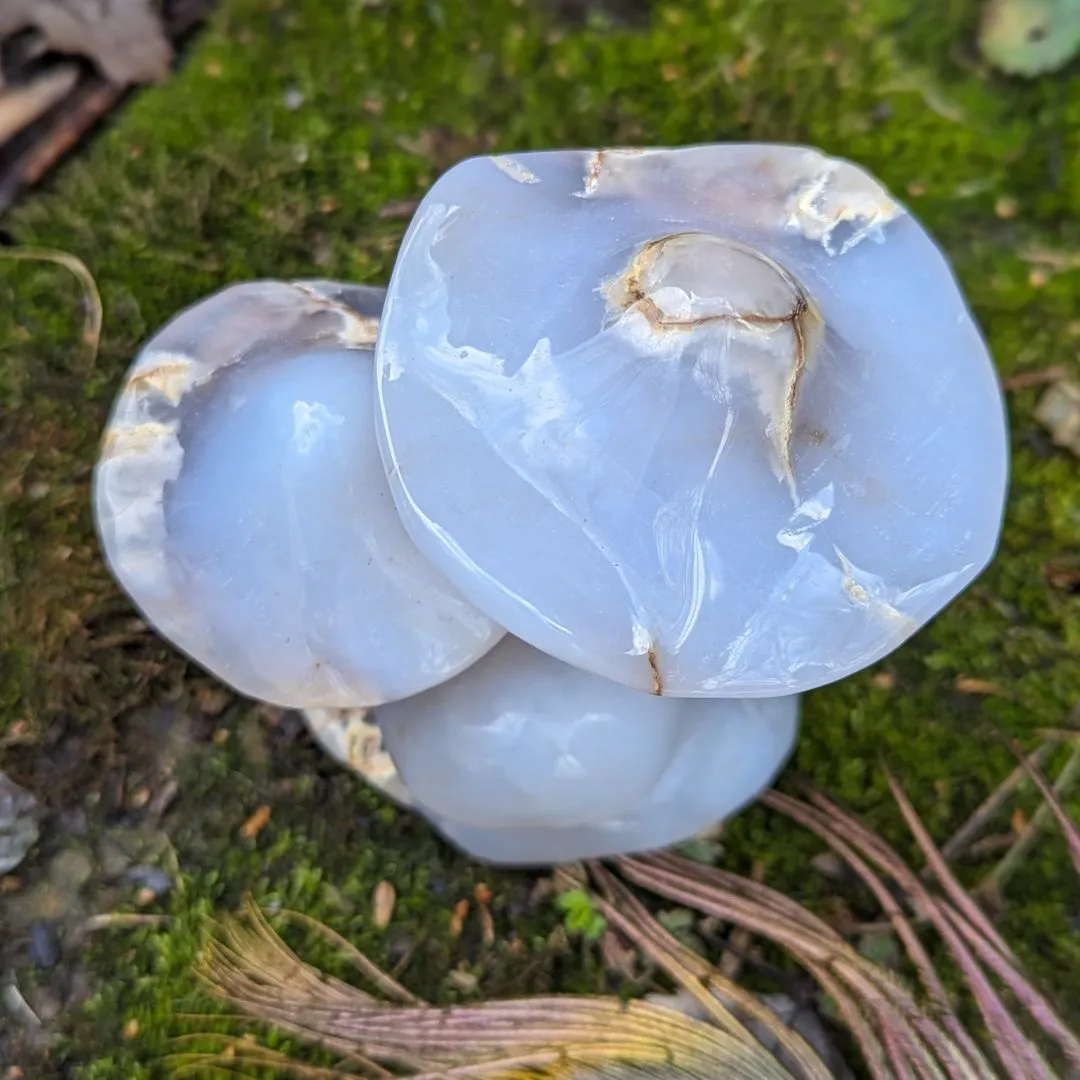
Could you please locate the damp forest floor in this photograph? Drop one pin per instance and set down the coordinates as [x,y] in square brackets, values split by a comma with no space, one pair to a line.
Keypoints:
[294,141]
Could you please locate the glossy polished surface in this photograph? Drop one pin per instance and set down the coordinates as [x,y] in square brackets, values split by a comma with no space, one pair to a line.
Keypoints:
[242,504]
[525,759]
[711,422]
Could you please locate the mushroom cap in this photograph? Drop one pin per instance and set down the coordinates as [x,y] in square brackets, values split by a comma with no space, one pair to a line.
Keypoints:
[714,421]
[525,759]
[242,504]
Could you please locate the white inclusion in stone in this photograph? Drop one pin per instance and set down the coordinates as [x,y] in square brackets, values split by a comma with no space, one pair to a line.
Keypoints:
[242,504]
[808,514]
[608,402]
[525,759]
[310,421]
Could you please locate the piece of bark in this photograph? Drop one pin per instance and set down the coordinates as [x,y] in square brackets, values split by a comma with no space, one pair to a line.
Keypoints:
[21,105]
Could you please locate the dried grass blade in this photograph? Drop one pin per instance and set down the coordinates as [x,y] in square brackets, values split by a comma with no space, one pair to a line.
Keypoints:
[1040,1010]
[953,889]
[1019,1056]
[888,1002]
[1068,826]
[625,912]
[995,881]
[543,1031]
[970,1056]
[861,1030]
[971,828]
[75,266]
[240,1054]
[372,972]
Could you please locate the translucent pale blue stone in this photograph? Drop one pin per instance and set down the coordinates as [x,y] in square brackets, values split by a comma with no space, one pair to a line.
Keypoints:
[525,759]
[242,504]
[713,421]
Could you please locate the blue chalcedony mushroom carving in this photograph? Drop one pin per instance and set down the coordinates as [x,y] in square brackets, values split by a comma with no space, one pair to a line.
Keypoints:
[701,428]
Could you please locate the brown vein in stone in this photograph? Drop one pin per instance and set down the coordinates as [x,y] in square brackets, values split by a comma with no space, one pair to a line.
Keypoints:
[657,681]
[592,175]
[802,313]
[367,325]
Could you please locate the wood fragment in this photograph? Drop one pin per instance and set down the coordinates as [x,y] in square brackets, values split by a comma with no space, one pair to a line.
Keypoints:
[457,920]
[89,104]
[1025,379]
[256,823]
[1059,734]
[21,105]
[968,685]
[382,904]
[36,150]
[487,925]
[398,209]
[1058,410]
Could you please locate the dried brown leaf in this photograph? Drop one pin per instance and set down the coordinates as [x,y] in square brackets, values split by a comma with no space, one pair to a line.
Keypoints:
[123,38]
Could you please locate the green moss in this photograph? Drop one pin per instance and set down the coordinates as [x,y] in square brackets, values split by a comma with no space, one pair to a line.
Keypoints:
[212,178]
[328,843]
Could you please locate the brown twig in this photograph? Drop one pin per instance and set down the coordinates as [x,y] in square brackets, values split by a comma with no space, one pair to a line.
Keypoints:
[1025,379]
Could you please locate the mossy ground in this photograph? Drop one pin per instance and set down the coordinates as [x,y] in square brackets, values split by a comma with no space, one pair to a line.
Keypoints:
[215,178]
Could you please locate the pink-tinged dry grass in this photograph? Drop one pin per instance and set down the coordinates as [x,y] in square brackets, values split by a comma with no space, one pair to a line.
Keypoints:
[903,1032]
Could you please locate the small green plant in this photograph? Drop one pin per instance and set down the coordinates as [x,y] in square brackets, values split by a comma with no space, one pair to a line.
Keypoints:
[580,916]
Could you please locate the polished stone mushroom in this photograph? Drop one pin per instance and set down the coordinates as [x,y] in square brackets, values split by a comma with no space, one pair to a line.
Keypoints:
[242,505]
[525,759]
[710,421]
[703,428]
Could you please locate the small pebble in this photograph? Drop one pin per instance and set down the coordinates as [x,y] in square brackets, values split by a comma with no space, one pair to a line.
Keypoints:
[465,981]
[44,948]
[18,823]
[212,700]
[71,869]
[151,879]
[382,904]
[1006,207]
[830,865]
[139,798]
